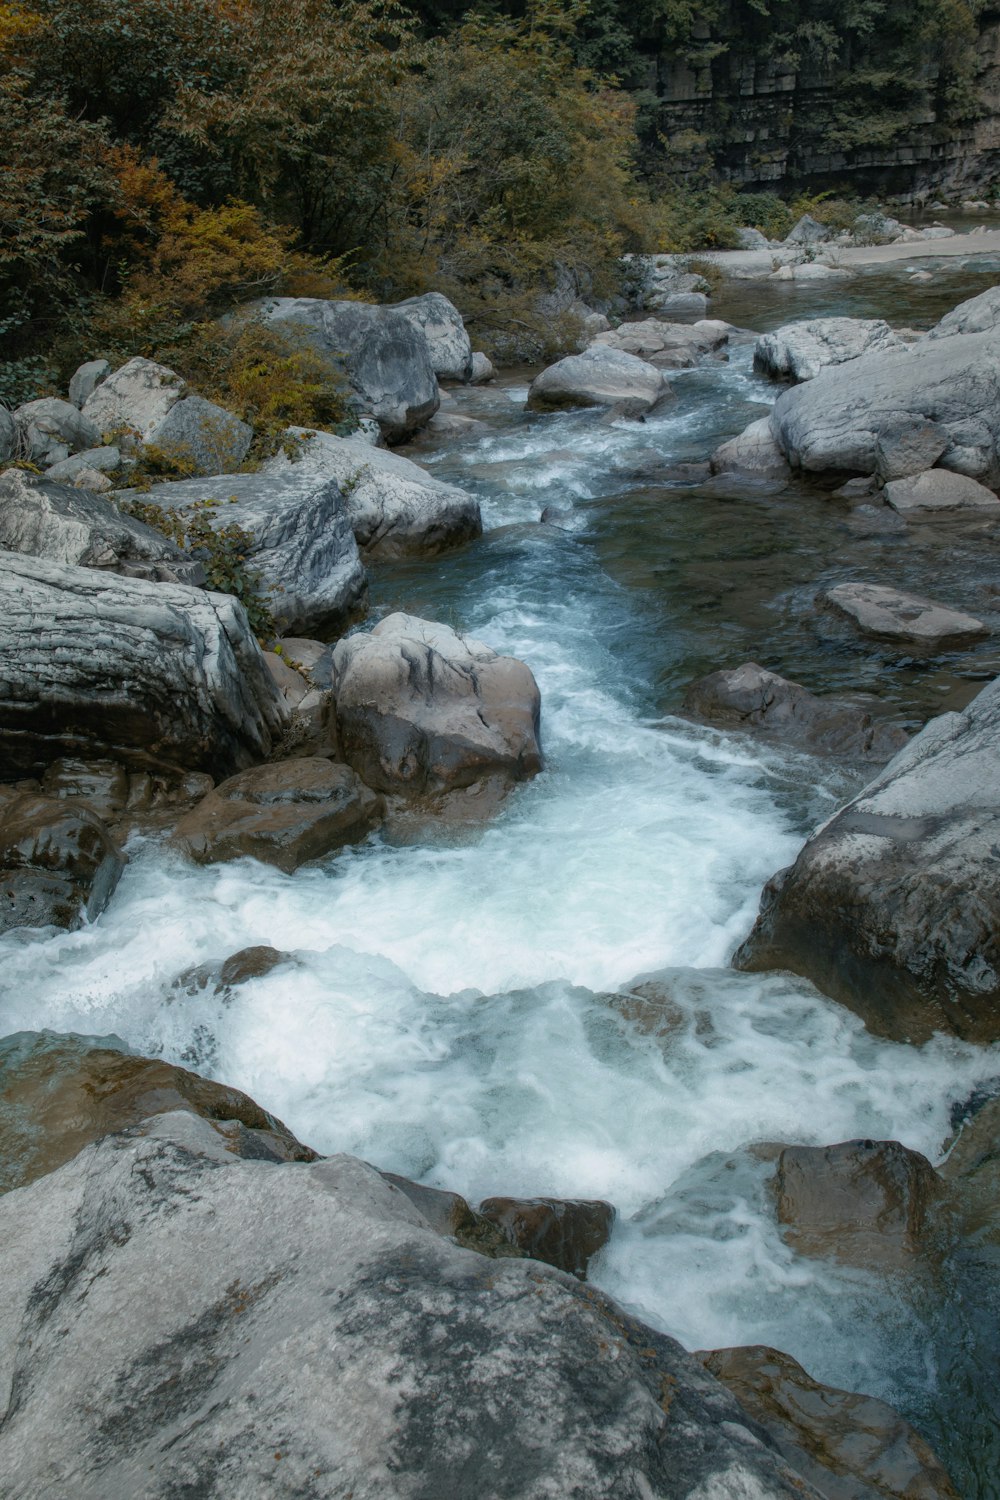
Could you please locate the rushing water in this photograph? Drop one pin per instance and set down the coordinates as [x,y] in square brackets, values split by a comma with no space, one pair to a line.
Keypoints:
[452,1013]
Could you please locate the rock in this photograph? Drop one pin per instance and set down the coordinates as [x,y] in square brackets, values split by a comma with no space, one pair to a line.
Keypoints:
[394,507]
[481,370]
[936,232]
[102,784]
[812,271]
[151,674]
[313,659]
[226,975]
[851,1447]
[868,1203]
[8,434]
[750,697]
[893,905]
[59,1094]
[674,346]
[92,479]
[449,1214]
[679,304]
[70,525]
[303,547]
[888,615]
[808,231]
[104,460]
[135,399]
[87,378]
[290,683]
[565,1233]
[906,445]
[58,865]
[384,356]
[321,1318]
[798,351]
[599,377]
[754,451]
[980,314]
[423,710]
[971,1174]
[50,430]
[447,424]
[441,324]
[198,437]
[285,815]
[752,239]
[939,492]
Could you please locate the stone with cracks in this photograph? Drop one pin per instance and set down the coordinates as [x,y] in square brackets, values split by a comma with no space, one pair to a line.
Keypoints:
[58,864]
[200,437]
[672,346]
[395,508]
[175,1318]
[69,525]
[906,445]
[979,314]
[135,399]
[939,492]
[893,905]
[441,324]
[303,547]
[600,376]
[888,614]
[798,351]
[423,710]
[151,674]
[50,430]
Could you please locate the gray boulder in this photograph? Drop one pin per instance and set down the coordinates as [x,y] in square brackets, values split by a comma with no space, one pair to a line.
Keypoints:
[384,356]
[395,508]
[423,710]
[753,451]
[938,492]
[202,438]
[8,434]
[905,446]
[893,905]
[103,460]
[135,399]
[481,369]
[303,547]
[808,231]
[175,1316]
[58,864]
[752,239]
[671,346]
[441,324]
[51,430]
[87,378]
[889,615]
[70,525]
[600,376]
[979,314]
[798,351]
[151,674]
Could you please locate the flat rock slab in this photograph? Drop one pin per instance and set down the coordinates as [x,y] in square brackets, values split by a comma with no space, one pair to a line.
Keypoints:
[59,865]
[889,615]
[285,814]
[599,377]
[937,492]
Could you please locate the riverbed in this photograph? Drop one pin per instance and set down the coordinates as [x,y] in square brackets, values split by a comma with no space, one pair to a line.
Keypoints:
[455,1011]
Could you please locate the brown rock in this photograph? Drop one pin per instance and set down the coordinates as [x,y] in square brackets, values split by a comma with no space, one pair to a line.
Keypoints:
[102,784]
[284,814]
[450,1215]
[58,863]
[563,1232]
[231,972]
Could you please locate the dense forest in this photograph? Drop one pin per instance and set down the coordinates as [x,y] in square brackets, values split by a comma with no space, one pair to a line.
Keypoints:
[164,160]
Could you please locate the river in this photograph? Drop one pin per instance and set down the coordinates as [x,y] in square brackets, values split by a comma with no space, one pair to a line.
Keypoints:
[453,1013]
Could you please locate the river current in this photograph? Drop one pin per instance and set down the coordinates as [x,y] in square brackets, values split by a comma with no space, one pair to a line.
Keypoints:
[453,1012]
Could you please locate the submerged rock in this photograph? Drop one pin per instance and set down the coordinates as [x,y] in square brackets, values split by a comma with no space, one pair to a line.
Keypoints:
[600,376]
[563,1232]
[888,614]
[893,905]
[798,351]
[58,864]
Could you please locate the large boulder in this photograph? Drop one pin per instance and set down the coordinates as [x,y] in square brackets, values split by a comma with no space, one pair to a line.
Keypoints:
[670,346]
[103,460]
[753,451]
[423,710]
[177,1318]
[85,380]
[808,231]
[395,508]
[69,525]
[600,376]
[893,905]
[51,430]
[135,399]
[834,422]
[385,357]
[441,324]
[61,1093]
[286,814]
[198,437]
[940,493]
[148,673]
[58,864]
[888,614]
[303,547]
[980,314]
[798,351]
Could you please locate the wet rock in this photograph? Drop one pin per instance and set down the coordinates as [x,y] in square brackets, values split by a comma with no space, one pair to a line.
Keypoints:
[450,1215]
[599,377]
[285,815]
[905,445]
[562,1232]
[394,507]
[86,379]
[199,437]
[850,1446]
[753,451]
[102,784]
[423,710]
[938,492]
[441,324]
[751,697]
[321,1318]
[150,674]
[303,545]
[58,864]
[59,1094]
[447,424]
[971,1172]
[798,351]
[889,615]
[673,346]
[226,975]
[135,399]
[385,358]
[893,905]
[68,525]
[869,1203]
[51,430]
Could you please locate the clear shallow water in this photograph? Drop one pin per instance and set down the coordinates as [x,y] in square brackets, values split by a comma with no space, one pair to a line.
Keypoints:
[452,1015]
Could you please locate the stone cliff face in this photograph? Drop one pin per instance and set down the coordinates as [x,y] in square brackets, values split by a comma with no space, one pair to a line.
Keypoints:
[762,117]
